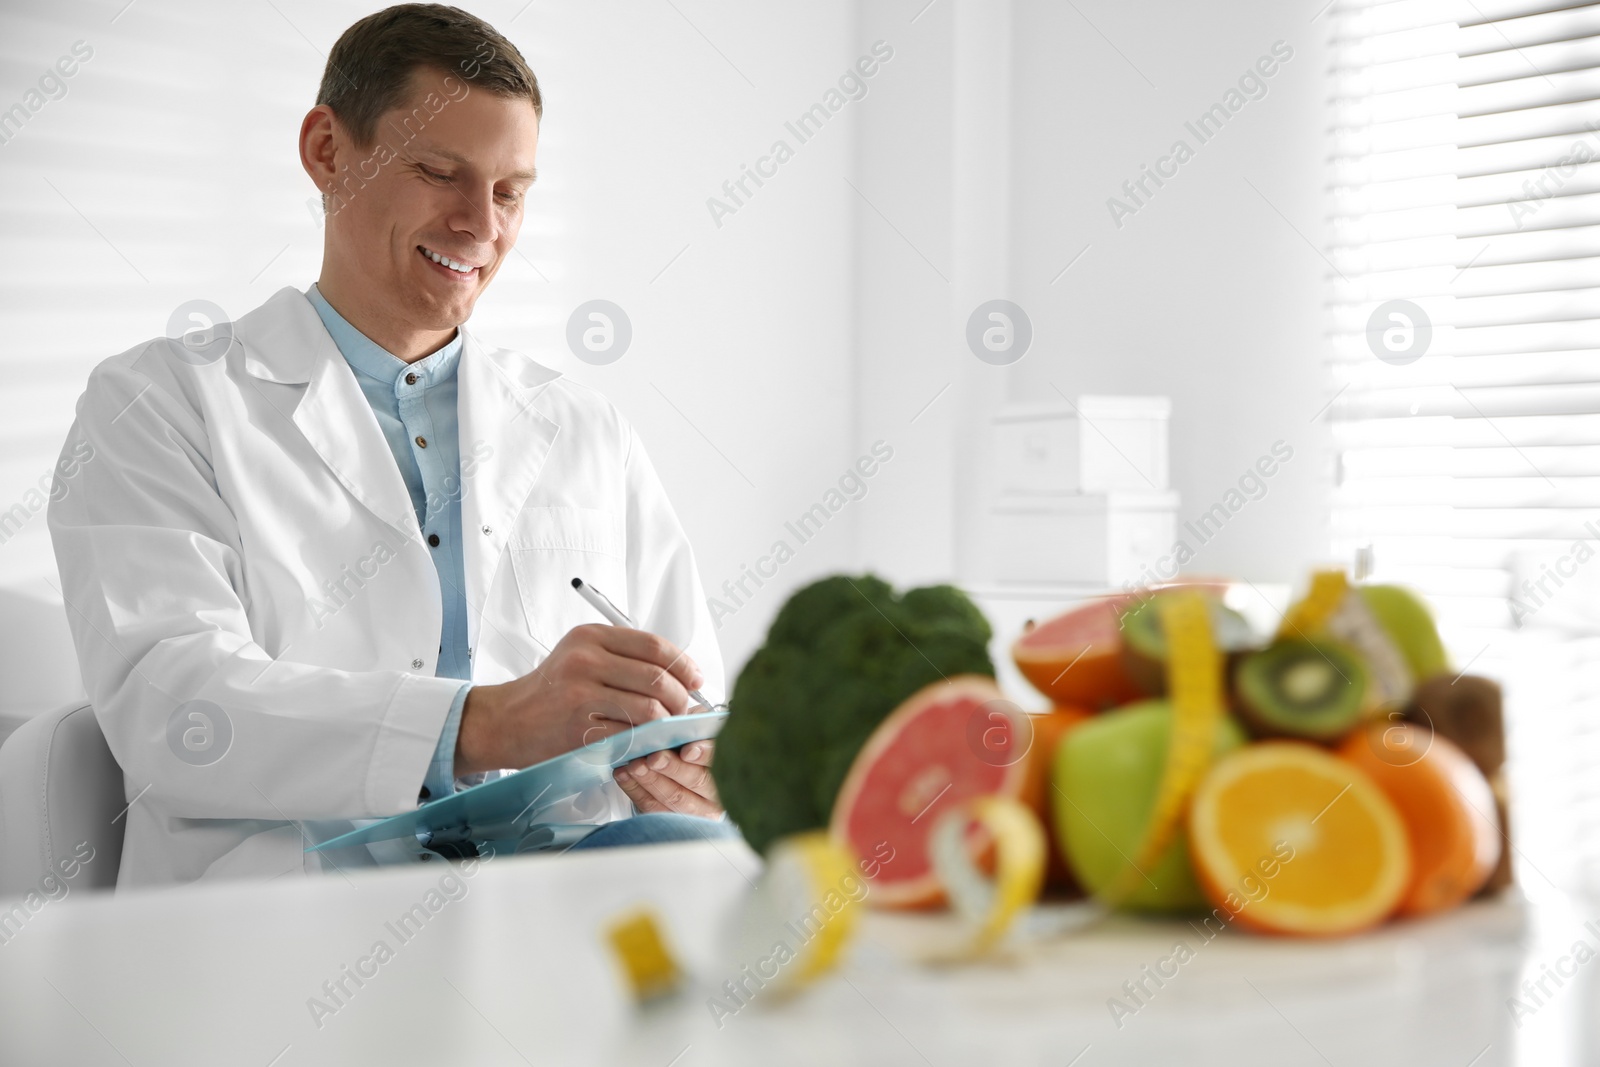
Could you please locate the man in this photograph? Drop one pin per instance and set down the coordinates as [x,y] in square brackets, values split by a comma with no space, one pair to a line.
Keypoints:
[276,522]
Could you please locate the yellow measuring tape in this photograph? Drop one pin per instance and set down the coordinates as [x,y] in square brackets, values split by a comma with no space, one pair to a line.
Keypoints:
[801,913]
[1311,614]
[988,905]
[640,948]
[1194,687]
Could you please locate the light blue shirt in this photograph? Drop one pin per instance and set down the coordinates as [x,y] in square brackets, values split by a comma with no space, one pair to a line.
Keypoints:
[415,404]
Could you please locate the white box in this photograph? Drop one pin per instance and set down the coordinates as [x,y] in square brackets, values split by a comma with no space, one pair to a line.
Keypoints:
[1094,538]
[1104,444]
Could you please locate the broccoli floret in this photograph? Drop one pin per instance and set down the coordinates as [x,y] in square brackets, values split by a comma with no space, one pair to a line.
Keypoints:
[947,602]
[841,655]
[809,612]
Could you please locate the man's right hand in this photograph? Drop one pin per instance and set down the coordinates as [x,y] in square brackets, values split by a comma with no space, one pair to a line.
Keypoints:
[598,680]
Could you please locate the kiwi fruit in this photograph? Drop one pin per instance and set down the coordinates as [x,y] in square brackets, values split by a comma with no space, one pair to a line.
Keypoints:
[1311,690]
[1144,645]
[1466,710]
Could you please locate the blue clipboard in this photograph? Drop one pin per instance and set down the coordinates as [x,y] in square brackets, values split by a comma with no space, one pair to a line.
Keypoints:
[509,807]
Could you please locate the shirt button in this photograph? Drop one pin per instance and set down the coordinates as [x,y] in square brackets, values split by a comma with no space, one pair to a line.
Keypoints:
[433,539]
[487,531]
[422,442]
[411,379]
[416,664]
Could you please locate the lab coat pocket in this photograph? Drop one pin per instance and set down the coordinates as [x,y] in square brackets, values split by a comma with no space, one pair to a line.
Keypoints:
[549,547]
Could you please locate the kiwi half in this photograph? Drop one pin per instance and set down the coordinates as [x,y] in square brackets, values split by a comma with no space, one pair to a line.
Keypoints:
[1144,645]
[1313,690]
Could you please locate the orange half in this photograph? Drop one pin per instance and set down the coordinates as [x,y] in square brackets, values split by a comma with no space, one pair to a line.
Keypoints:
[1289,839]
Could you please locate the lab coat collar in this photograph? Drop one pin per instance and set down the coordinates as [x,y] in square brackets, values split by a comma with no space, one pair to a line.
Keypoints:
[505,436]
[280,338]
[285,338]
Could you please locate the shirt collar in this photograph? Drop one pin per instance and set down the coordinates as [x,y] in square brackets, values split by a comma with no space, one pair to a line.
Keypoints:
[366,356]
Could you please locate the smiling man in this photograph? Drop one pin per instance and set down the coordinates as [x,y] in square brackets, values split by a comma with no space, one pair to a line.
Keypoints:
[319,567]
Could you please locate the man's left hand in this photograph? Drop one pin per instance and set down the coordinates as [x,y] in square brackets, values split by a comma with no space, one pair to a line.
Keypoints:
[668,781]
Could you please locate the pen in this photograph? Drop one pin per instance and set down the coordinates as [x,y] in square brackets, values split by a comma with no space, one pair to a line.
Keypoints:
[601,603]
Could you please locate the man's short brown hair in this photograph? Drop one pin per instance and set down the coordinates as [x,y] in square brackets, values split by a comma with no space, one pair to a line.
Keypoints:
[369,70]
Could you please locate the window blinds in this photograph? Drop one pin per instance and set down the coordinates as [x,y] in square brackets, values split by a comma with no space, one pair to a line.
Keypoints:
[1465,226]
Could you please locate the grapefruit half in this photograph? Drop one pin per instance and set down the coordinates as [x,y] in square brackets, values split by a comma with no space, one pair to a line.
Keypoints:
[944,745]
[1076,658]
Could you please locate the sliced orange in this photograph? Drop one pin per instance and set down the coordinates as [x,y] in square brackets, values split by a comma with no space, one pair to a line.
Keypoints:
[1048,730]
[1289,839]
[1447,804]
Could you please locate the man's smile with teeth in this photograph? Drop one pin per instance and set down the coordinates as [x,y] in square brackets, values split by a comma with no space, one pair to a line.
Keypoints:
[446,261]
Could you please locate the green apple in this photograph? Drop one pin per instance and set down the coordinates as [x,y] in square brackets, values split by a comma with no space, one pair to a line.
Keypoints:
[1106,775]
[1408,622]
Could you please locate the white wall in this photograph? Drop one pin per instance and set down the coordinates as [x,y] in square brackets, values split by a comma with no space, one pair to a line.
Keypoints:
[1208,293]
[993,153]
[747,332]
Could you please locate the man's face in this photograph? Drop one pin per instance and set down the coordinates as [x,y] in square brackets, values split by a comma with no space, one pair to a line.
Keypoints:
[446,174]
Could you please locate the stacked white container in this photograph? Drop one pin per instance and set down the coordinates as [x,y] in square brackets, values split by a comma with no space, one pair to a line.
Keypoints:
[1083,490]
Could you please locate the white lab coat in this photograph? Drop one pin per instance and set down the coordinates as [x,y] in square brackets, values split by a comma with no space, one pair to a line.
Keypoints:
[239,533]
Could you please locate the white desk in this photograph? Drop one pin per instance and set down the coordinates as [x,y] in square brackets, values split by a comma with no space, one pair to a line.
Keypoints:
[514,972]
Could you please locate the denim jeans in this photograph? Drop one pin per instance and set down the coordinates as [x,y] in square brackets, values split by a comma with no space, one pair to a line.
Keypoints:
[655,827]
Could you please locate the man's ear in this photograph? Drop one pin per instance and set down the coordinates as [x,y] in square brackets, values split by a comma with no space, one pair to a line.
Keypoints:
[319,137]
